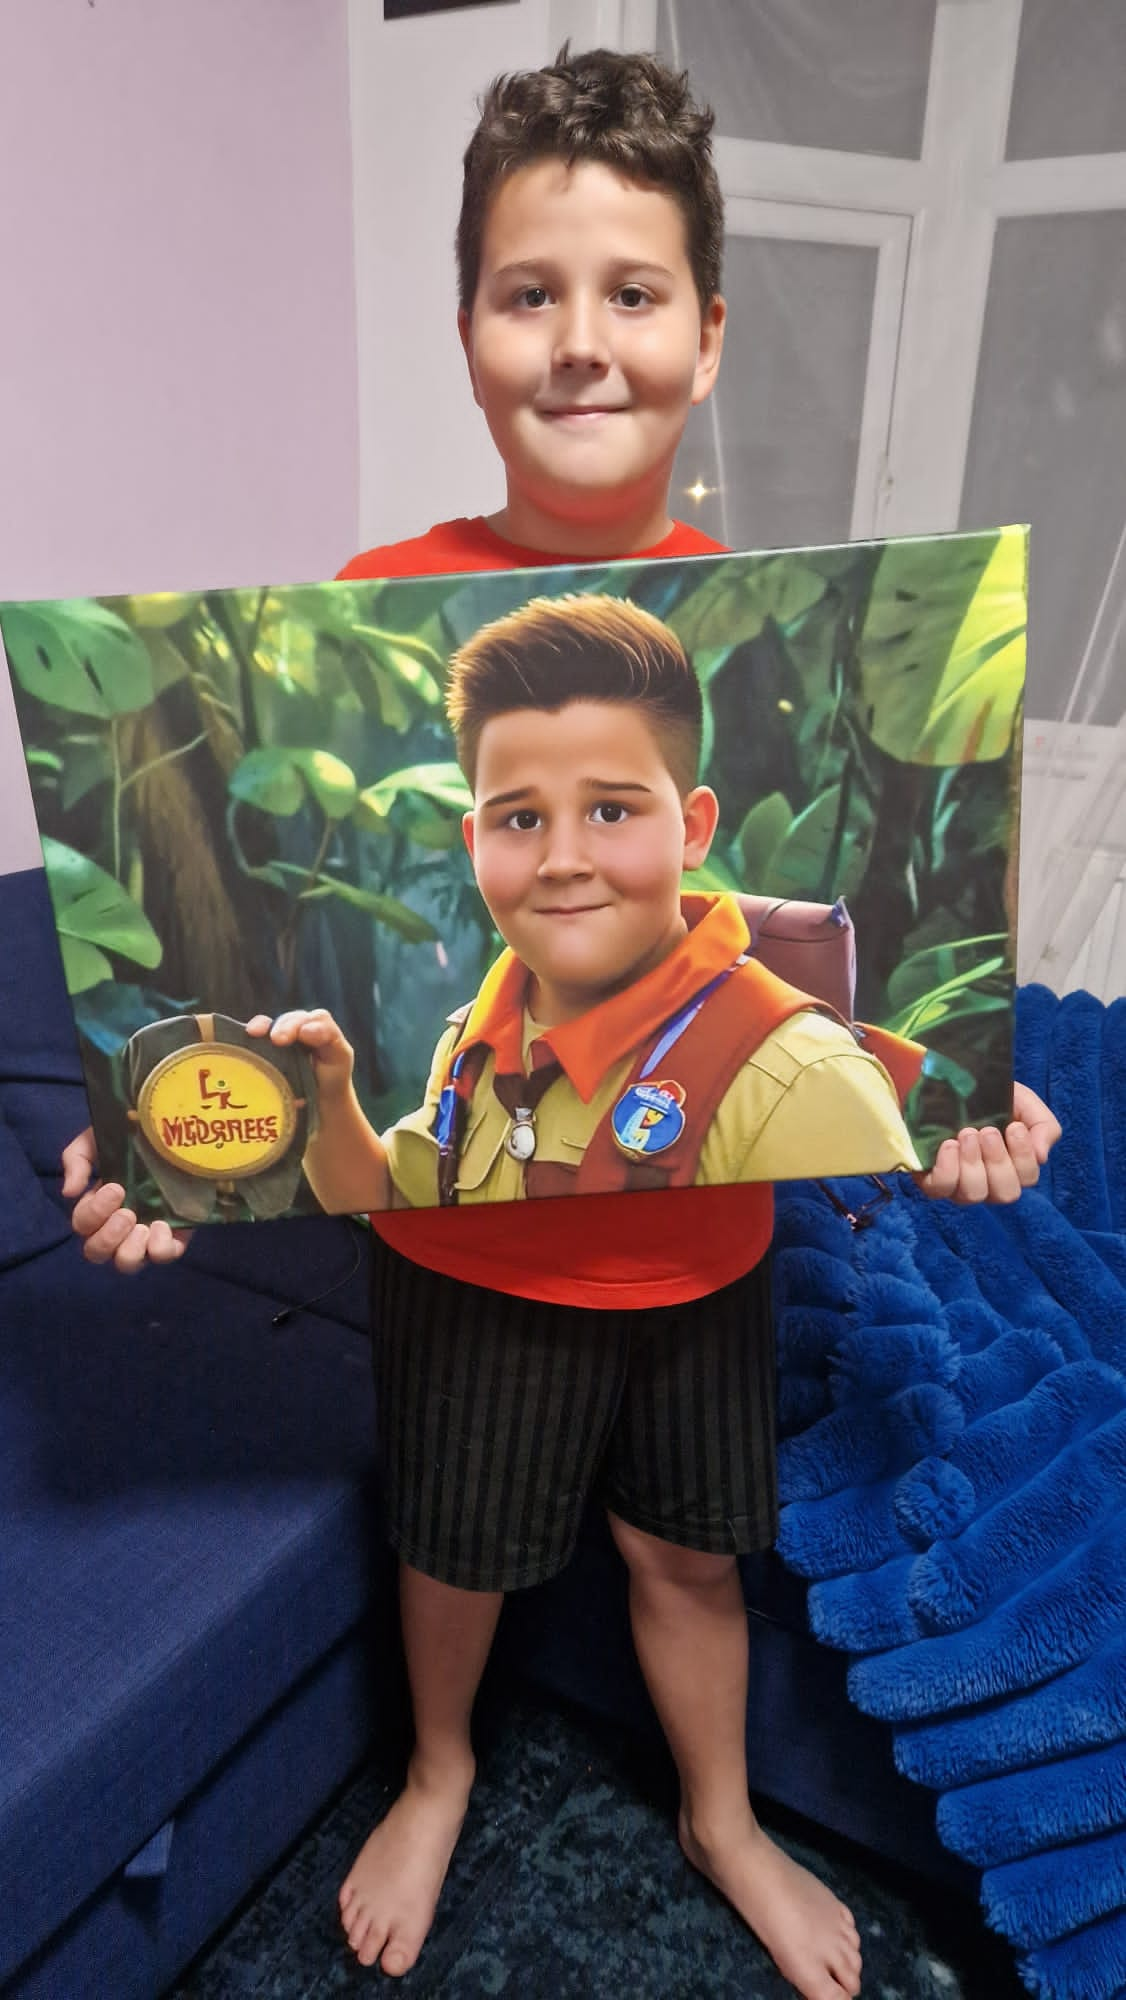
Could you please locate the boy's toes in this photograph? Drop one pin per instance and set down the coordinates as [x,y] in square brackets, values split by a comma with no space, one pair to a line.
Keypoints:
[400,1952]
[367,1940]
[361,1931]
[846,1972]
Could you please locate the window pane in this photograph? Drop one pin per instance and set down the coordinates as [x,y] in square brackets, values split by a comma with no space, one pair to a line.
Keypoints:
[1048,441]
[1069,91]
[808,72]
[778,442]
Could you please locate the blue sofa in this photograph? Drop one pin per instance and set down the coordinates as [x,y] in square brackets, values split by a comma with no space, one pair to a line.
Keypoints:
[197,1623]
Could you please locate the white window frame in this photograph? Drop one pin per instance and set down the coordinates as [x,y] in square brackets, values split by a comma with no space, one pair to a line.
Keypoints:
[920,384]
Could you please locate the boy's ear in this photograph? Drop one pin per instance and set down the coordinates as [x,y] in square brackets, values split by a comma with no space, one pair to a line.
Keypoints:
[711,348]
[465,335]
[701,818]
[468,833]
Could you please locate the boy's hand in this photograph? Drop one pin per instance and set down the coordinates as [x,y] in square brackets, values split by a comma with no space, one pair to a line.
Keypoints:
[994,1166]
[315,1029]
[110,1232]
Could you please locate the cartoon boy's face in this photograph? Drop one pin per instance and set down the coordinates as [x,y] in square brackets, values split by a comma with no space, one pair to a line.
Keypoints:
[578,838]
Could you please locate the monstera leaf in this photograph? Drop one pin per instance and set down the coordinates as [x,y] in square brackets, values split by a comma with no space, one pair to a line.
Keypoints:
[79,657]
[732,606]
[93,915]
[943,647]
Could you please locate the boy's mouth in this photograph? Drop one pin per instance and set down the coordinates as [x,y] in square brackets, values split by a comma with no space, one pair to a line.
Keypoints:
[569,909]
[581,410]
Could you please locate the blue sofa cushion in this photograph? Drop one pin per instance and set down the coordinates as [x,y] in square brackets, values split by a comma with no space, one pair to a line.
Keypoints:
[29,1220]
[189,1527]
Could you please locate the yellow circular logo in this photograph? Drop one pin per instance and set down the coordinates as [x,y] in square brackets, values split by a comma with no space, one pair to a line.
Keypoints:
[217,1111]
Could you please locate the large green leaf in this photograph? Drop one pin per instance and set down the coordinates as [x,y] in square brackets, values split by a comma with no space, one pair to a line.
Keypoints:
[270,780]
[765,826]
[797,865]
[442,784]
[410,658]
[278,779]
[942,651]
[712,878]
[84,965]
[733,605]
[92,909]
[78,656]
[330,780]
[934,966]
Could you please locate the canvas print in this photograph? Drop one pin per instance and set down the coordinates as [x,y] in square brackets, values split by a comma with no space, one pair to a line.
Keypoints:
[551,882]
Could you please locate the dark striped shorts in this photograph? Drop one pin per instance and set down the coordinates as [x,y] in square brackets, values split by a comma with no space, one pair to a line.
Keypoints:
[499,1417]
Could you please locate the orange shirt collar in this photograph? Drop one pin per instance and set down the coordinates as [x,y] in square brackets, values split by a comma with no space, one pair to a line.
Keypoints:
[592,1044]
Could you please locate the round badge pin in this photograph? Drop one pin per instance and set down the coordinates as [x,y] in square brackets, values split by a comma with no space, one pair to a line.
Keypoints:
[648,1118]
[217,1111]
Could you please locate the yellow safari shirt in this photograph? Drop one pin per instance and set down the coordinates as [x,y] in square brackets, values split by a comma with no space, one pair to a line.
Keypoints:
[808,1101]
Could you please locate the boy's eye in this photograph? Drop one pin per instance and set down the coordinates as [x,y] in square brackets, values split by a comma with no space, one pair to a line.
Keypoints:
[633,296]
[523,821]
[532,295]
[610,813]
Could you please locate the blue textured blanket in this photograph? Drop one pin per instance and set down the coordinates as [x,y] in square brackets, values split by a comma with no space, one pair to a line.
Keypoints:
[953,1479]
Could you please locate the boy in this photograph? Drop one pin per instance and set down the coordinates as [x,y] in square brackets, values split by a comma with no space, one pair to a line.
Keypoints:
[658,1053]
[589,266]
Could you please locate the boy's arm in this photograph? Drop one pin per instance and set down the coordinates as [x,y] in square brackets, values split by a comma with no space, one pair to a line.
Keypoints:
[345,1161]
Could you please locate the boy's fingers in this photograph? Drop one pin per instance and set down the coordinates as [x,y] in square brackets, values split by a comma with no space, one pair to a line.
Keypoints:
[166,1244]
[289,1025]
[972,1182]
[1022,1152]
[131,1253]
[104,1245]
[259,1024]
[942,1178]
[80,1162]
[1002,1182]
[97,1206]
[1042,1124]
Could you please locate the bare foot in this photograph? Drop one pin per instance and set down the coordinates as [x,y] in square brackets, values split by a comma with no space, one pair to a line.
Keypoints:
[809,1934]
[388,1899]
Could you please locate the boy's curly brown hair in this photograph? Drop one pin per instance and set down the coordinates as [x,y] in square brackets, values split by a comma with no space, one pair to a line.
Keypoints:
[628,112]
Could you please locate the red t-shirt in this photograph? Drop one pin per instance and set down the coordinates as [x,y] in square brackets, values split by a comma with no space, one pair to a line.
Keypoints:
[630,1250]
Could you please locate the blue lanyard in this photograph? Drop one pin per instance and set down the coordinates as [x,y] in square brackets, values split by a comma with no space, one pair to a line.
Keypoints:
[446,1128]
[675,1028]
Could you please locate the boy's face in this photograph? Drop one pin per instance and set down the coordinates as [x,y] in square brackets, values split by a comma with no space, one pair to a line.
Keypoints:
[578,838]
[586,349]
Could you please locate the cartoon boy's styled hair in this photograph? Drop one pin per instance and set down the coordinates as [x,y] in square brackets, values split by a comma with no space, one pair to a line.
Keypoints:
[627,112]
[563,649]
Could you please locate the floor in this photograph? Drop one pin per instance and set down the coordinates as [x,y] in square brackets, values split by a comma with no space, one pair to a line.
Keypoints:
[569,1883]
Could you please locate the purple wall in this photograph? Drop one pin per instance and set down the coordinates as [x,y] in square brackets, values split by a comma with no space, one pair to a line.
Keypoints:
[177,345]
[178,400]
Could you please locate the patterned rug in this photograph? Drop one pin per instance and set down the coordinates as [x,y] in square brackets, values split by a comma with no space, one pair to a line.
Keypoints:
[569,1883]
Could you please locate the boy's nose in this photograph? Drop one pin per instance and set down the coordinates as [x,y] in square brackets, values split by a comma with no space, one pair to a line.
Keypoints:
[564,855]
[581,337]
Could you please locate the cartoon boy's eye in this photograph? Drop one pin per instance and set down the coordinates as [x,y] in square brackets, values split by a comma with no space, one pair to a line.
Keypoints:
[610,813]
[523,821]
